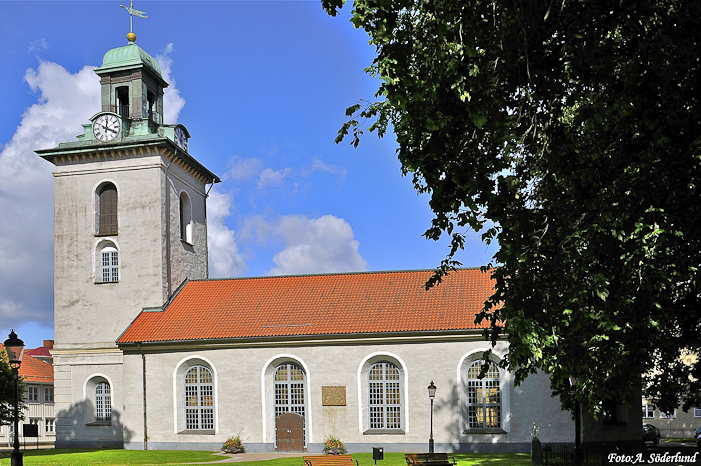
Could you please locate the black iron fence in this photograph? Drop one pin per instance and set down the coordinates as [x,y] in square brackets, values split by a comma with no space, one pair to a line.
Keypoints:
[563,454]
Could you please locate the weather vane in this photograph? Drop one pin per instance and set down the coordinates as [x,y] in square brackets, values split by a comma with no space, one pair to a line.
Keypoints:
[132,12]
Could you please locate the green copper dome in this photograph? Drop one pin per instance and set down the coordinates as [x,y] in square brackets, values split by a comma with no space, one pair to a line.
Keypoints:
[128,56]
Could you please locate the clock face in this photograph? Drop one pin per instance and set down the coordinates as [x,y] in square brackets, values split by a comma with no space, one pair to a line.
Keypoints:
[180,138]
[106,127]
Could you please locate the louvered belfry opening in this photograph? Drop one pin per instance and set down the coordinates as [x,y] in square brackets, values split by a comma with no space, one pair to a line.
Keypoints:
[108,210]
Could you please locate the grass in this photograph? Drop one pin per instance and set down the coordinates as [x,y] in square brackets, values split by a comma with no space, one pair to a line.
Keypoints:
[97,457]
[161,457]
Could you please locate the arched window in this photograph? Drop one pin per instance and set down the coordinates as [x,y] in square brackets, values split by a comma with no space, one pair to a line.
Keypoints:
[384,402]
[289,389]
[185,218]
[107,210]
[103,402]
[107,268]
[123,101]
[199,399]
[99,393]
[483,397]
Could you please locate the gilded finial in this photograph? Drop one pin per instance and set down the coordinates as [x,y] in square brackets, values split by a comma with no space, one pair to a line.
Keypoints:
[132,12]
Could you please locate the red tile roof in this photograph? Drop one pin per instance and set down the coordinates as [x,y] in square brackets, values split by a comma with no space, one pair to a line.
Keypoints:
[34,370]
[295,306]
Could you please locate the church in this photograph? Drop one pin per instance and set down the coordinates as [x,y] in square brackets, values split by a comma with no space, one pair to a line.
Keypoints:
[150,353]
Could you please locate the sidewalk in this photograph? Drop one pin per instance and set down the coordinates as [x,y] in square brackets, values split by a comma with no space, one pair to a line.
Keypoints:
[241,457]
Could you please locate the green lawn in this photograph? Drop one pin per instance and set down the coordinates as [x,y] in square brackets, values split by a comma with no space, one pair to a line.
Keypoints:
[135,457]
[88,457]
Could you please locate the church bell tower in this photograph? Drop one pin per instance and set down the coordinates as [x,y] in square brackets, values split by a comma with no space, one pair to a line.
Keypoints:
[129,227]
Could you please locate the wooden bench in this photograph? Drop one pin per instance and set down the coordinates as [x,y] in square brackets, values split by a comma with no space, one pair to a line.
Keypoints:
[429,459]
[330,460]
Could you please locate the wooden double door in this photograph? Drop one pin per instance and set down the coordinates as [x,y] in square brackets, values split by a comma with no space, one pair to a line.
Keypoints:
[289,434]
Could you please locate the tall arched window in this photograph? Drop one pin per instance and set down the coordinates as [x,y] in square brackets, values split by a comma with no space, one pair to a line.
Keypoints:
[185,218]
[103,402]
[199,399]
[289,390]
[107,206]
[483,397]
[385,407]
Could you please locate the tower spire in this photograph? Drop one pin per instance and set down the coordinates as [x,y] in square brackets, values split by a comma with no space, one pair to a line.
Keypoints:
[132,12]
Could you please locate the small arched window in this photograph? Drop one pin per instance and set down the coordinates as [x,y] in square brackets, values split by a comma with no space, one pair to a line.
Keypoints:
[185,218]
[199,399]
[107,263]
[385,407]
[103,402]
[483,397]
[107,207]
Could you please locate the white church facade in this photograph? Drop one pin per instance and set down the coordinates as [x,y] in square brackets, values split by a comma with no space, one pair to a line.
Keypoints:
[151,354]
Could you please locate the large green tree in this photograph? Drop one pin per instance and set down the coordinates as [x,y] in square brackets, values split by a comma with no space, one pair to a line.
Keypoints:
[569,132]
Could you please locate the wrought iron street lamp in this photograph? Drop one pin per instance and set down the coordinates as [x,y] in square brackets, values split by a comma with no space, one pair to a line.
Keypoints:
[431,395]
[14,347]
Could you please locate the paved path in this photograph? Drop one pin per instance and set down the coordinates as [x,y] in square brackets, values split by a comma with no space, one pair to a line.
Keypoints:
[241,457]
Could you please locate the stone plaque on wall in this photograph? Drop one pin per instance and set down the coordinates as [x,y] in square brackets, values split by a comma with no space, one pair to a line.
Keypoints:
[333,396]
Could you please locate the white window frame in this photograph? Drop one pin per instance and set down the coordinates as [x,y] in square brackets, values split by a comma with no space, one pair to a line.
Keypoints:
[481,394]
[103,402]
[50,425]
[648,410]
[32,393]
[199,398]
[107,262]
[384,385]
[670,416]
[697,412]
[364,393]
[179,403]
[48,394]
[505,387]
[109,257]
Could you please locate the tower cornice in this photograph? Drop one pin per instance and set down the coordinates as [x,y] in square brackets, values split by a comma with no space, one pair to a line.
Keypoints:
[79,153]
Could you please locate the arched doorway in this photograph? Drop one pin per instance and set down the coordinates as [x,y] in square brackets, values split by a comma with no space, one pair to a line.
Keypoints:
[290,407]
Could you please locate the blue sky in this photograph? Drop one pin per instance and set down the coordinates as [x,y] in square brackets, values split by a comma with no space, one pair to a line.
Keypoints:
[262,87]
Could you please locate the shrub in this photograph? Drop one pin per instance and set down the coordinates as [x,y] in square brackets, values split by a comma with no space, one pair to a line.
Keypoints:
[333,446]
[233,445]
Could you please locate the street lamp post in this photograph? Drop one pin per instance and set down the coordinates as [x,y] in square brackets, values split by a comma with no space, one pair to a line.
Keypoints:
[431,395]
[577,424]
[14,347]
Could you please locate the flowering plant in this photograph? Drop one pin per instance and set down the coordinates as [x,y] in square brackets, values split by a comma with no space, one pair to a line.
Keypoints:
[233,445]
[333,446]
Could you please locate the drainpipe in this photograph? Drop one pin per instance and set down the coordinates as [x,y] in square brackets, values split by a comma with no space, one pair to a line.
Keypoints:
[143,380]
[206,228]
[167,233]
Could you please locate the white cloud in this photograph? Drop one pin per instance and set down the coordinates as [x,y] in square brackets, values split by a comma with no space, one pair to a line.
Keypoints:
[26,189]
[224,257]
[172,100]
[38,45]
[272,177]
[246,169]
[318,165]
[321,245]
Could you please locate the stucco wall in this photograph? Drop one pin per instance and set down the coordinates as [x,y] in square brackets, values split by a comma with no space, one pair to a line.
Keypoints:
[75,376]
[89,313]
[244,398]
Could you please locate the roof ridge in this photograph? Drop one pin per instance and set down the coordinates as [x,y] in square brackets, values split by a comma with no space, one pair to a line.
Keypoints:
[328,274]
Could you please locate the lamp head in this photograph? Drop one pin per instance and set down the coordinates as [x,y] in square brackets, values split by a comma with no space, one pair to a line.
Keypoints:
[14,347]
[431,390]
